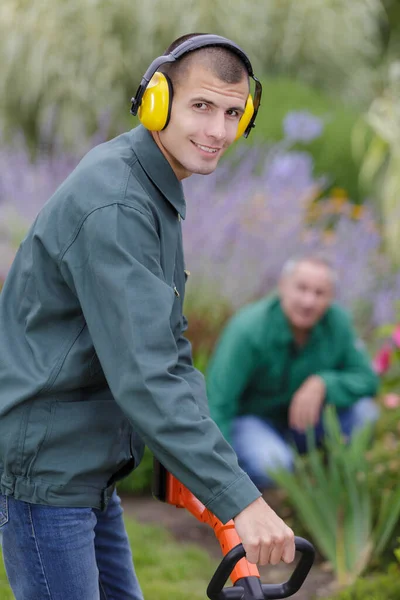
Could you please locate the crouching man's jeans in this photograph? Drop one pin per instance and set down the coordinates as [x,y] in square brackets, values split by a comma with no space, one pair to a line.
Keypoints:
[261,447]
[53,553]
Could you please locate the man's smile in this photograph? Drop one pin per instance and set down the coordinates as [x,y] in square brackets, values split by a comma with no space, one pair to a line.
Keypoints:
[208,149]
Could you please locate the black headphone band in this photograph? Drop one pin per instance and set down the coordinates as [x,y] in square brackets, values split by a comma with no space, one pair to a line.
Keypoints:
[195,43]
[204,40]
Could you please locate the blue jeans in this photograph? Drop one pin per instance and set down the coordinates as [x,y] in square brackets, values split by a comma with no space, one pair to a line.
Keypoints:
[261,447]
[54,553]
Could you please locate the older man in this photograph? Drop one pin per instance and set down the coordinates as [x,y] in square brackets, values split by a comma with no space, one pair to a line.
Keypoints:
[280,361]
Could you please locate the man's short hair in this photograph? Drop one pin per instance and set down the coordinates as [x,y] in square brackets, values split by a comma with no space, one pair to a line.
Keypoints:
[315,259]
[224,63]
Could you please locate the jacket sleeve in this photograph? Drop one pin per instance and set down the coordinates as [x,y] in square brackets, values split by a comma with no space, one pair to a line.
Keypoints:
[187,371]
[114,267]
[355,378]
[230,371]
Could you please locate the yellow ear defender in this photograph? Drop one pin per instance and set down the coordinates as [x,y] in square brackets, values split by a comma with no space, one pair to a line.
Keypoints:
[245,118]
[153,99]
[155,108]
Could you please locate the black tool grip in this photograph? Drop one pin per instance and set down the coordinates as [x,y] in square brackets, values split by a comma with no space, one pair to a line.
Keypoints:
[250,588]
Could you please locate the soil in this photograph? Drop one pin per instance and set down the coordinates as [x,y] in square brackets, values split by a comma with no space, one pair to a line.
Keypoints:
[186,529]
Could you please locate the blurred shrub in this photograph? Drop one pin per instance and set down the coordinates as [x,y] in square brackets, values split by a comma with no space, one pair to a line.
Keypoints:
[335,502]
[332,150]
[383,586]
[387,363]
[383,470]
[380,155]
[65,65]
[314,41]
[205,324]
[380,587]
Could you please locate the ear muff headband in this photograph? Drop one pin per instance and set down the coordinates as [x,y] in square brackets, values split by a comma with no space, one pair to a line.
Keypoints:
[155,107]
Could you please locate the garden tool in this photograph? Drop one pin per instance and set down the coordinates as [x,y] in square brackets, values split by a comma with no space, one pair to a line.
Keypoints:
[244,575]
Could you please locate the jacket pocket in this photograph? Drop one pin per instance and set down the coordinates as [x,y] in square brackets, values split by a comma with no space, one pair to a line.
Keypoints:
[136,455]
[86,442]
[3,510]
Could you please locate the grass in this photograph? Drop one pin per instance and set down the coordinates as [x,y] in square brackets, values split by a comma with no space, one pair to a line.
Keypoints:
[5,592]
[166,569]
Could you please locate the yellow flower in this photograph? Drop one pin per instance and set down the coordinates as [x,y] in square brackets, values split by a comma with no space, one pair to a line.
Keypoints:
[357,211]
[338,192]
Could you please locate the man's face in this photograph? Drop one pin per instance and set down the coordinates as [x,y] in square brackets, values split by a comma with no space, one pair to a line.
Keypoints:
[306,293]
[204,119]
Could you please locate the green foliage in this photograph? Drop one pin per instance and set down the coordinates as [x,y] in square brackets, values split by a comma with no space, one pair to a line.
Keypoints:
[380,154]
[392,32]
[380,587]
[384,586]
[5,591]
[335,503]
[332,151]
[140,480]
[383,472]
[165,568]
[66,64]
[314,41]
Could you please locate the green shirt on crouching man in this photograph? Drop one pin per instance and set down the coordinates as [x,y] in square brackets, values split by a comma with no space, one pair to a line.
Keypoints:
[257,367]
[92,351]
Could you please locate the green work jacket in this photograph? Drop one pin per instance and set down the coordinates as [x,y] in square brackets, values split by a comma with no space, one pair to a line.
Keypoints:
[257,367]
[93,361]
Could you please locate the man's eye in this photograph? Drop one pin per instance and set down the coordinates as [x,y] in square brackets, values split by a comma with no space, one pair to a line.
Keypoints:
[200,105]
[233,113]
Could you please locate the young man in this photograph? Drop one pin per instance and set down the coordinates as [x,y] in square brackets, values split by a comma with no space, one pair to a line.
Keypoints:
[93,361]
[279,362]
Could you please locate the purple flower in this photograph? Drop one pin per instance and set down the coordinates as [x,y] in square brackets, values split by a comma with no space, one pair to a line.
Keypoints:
[243,222]
[302,126]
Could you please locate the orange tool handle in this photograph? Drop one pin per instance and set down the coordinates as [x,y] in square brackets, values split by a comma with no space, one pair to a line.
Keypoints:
[168,489]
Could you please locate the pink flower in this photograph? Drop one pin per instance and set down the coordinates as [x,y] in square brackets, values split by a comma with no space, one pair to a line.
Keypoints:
[396,336]
[391,400]
[382,360]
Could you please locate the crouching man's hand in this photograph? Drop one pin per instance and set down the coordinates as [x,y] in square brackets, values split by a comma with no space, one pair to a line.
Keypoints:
[265,537]
[306,404]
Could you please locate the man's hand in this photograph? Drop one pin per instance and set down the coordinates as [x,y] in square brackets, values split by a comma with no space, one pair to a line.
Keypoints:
[305,407]
[265,537]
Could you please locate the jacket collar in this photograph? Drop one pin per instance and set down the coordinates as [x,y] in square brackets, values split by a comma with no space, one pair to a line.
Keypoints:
[158,168]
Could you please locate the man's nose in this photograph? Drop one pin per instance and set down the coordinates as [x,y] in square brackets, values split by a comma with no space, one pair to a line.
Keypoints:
[309,300]
[216,126]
